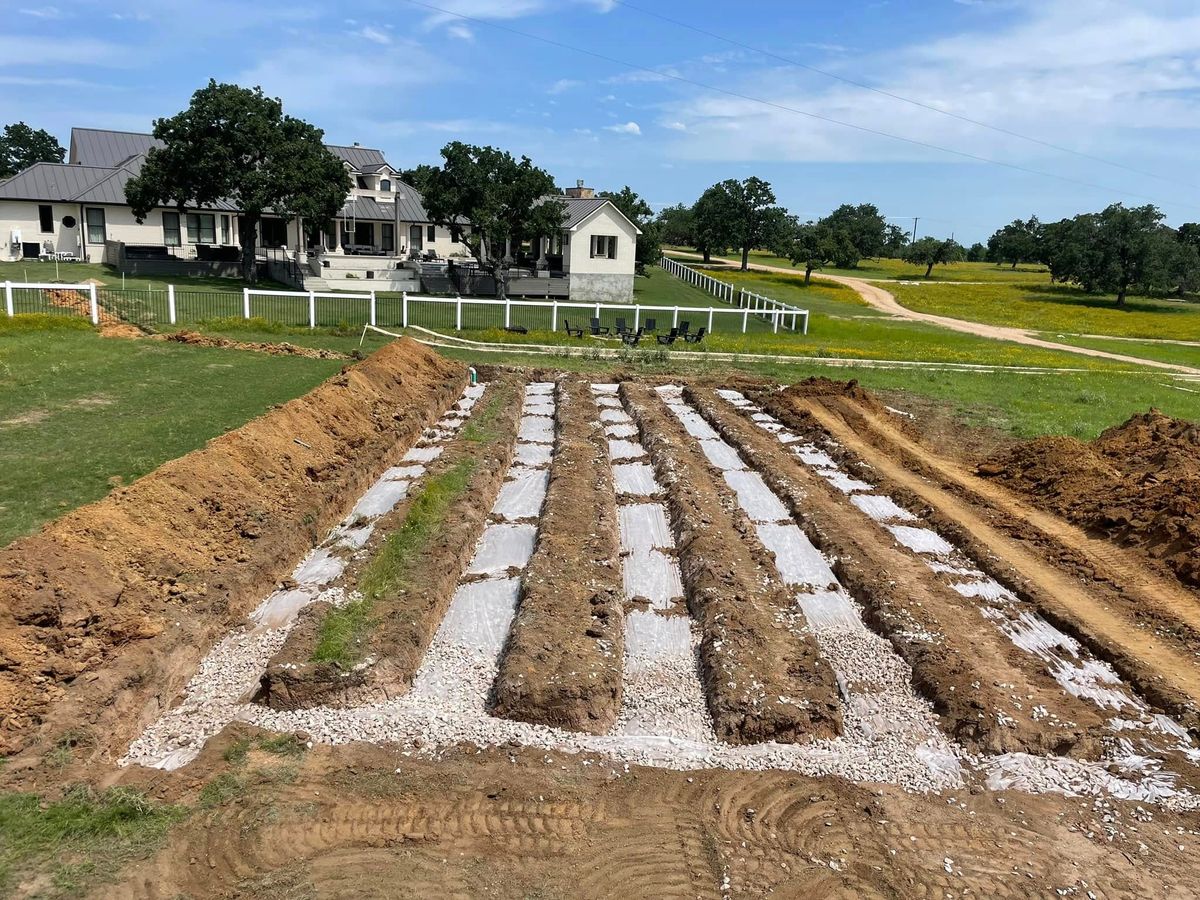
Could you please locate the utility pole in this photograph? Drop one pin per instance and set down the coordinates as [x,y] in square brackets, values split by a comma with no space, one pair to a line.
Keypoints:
[913,239]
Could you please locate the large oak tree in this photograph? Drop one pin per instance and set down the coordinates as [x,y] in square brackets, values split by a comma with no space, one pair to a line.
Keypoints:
[22,146]
[236,144]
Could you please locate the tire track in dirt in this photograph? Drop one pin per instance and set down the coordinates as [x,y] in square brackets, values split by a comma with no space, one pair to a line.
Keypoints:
[563,663]
[982,686]
[764,680]
[1158,667]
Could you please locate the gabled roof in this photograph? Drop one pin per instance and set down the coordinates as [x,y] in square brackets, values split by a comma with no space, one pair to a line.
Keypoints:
[580,210]
[364,159]
[98,147]
[64,183]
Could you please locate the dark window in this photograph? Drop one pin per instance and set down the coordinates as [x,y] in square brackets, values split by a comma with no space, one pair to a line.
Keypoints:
[272,233]
[604,246]
[96,231]
[201,228]
[385,185]
[431,233]
[387,237]
[171,235]
[361,182]
[226,234]
[46,219]
[68,221]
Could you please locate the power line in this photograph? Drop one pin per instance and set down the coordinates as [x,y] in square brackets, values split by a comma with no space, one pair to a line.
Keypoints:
[780,106]
[894,96]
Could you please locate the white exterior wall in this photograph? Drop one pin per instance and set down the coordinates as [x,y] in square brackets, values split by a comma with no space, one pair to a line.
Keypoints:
[600,279]
[23,216]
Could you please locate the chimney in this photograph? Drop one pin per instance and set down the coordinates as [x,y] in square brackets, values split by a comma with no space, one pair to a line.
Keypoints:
[579,192]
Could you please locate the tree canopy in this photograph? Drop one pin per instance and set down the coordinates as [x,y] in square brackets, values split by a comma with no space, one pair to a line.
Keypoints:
[809,244]
[931,251]
[22,146]
[677,226]
[1017,242]
[236,144]
[504,199]
[860,232]
[751,218]
[710,222]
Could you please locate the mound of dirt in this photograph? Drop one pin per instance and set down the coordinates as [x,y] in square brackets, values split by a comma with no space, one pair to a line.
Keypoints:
[819,386]
[1137,484]
[196,339]
[111,605]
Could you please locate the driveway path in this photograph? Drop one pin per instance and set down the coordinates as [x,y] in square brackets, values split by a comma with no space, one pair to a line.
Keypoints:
[884,301]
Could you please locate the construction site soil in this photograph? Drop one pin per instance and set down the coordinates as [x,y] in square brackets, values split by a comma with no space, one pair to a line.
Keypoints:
[718,639]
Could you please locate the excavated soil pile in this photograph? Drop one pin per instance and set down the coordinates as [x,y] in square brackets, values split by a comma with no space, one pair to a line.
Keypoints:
[195,339]
[1137,483]
[110,325]
[114,602]
[820,388]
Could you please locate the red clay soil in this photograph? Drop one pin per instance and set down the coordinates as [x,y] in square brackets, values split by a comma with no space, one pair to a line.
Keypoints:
[563,662]
[195,339]
[109,325]
[763,680]
[1138,484]
[105,613]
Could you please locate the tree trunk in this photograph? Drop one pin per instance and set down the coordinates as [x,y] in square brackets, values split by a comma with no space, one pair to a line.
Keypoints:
[929,270]
[808,275]
[248,235]
[707,255]
[746,259]
[1014,265]
[1121,297]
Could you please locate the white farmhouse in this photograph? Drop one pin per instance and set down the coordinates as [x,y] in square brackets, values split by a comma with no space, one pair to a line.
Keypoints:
[382,237]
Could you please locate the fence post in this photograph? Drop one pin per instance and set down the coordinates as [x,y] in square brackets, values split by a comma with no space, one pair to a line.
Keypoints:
[745,318]
[775,313]
[637,317]
[171,303]
[8,301]
[675,320]
[373,322]
[507,312]
[95,306]
[458,313]
[710,319]
[554,315]
[404,308]
[312,309]
[597,310]
[246,302]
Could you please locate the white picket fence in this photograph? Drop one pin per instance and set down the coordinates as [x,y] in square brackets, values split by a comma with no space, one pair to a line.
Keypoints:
[89,289]
[773,311]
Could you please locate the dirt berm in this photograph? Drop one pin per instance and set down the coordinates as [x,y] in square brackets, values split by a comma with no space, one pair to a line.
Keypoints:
[1137,484]
[112,605]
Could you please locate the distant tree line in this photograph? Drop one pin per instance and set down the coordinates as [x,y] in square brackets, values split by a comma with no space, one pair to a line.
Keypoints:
[1120,250]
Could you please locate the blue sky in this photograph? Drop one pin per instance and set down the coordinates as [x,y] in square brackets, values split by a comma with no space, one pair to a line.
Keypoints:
[1115,80]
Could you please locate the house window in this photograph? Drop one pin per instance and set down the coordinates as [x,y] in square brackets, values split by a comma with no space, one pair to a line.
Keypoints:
[46,219]
[96,231]
[361,182]
[604,246]
[387,237]
[226,237]
[171,236]
[385,184]
[431,233]
[201,228]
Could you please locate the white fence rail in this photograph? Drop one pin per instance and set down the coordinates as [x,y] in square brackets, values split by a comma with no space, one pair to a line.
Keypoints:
[320,309]
[773,311]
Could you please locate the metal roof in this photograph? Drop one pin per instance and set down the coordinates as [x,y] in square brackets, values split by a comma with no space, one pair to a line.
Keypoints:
[63,183]
[578,210]
[98,147]
[364,159]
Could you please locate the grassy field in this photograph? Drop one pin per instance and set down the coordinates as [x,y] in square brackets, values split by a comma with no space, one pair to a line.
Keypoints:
[80,413]
[1055,309]
[897,270]
[77,273]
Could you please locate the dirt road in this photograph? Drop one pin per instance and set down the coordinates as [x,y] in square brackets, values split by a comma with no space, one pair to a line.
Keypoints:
[885,302]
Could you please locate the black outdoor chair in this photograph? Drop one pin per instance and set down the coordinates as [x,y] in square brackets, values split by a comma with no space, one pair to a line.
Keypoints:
[631,338]
[598,329]
[516,329]
[572,332]
[668,338]
[695,338]
[651,326]
[620,327]
[683,328]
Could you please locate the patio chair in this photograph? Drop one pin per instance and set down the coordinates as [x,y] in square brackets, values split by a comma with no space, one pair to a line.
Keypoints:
[47,250]
[620,327]
[631,338]
[683,327]
[697,337]
[651,326]
[598,329]
[572,332]
[668,338]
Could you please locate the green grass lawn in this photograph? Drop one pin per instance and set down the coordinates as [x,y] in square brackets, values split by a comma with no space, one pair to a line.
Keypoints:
[35,271]
[1057,309]
[1169,353]
[79,412]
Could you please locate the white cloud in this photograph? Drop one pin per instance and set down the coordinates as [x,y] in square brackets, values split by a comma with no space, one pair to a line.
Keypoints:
[374,35]
[627,128]
[675,126]
[563,85]
[20,50]
[43,12]
[461,32]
